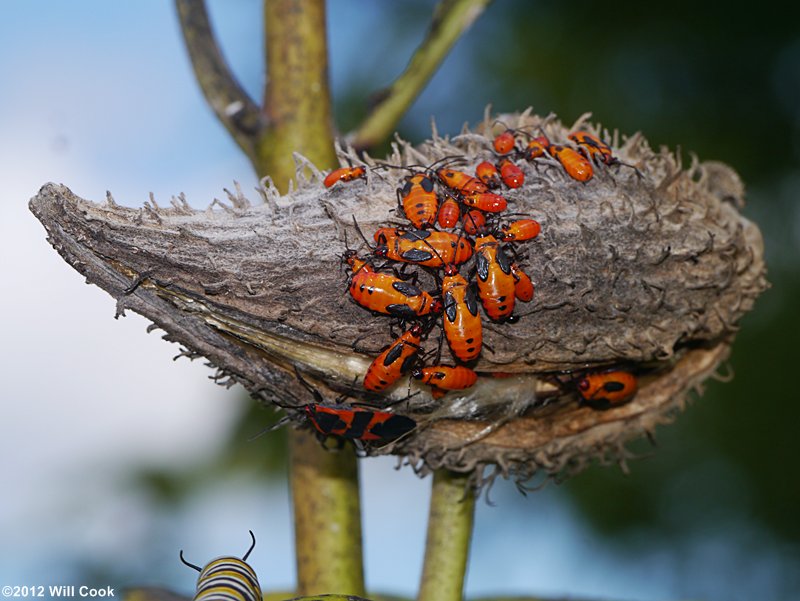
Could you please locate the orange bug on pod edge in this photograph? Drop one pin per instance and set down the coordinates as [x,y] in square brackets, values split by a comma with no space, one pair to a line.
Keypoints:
[344,174]
[607,389]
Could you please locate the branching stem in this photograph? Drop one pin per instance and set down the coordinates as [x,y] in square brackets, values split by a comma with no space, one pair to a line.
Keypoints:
[451,19]
[297,96]
[233,107]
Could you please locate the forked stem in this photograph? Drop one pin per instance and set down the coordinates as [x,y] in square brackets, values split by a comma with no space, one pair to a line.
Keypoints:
[450,20]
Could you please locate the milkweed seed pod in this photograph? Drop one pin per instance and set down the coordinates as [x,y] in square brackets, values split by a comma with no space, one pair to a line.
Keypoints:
[647,265]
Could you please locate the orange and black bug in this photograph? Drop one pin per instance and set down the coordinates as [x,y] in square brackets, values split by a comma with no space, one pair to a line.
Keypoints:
[444,378]
[520,230]
[511,174]
[386,293]
[448,213]
[358,423]
[343,174]
[595,149]
[495,281]
[350,422]
[425,247]
[485,201]
[396,360]
[419,200]
[607,389]
[523,286]
[487,172]
[461,182]
[504,142]
[474,221]
[461,322]
[575,164]
[536,148]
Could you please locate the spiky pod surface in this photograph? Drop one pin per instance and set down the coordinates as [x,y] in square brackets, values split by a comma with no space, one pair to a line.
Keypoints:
[652,266]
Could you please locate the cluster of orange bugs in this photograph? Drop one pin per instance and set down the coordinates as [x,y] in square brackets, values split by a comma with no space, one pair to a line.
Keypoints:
[460,232]
[577,162]
[457,234]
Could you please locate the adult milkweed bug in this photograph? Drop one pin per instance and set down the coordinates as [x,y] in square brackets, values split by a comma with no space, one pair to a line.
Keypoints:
[386,293]
[495,282]
[523,286]
[575,164]
[520,230]
[358,423]
[425,247]
[343,174]
[444,378]
[448,213]
[511,174]
[487,172]
[346,422]
[460,320]
[504,142]
[351,422]
[419,200]
[607,389]
[396,360]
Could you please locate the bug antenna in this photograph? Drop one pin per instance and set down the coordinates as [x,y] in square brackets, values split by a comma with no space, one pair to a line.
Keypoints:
[360,233]
[246,555]
[314,392]
[186,563]
[447,160]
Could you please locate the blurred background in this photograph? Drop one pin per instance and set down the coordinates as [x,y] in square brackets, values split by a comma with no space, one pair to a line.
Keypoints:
[114,457]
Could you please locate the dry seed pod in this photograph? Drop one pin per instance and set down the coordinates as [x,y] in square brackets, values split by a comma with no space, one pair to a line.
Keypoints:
[647,264]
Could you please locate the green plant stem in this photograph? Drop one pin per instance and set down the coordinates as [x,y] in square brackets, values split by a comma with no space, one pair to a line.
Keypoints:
[450,521]
[451,19]
[325,495]
[327,517]
[231,104]
[297,100]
